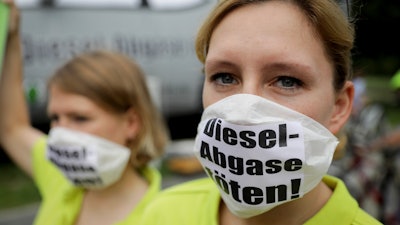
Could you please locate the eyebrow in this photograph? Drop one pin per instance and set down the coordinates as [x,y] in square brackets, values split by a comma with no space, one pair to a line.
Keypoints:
[216,62]
[279,65]
[289,66]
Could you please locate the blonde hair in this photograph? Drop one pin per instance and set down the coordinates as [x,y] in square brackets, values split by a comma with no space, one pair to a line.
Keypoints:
[328,19]
[116,83]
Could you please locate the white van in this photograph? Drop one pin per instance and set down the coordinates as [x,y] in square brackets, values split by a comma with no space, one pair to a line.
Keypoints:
[158,34]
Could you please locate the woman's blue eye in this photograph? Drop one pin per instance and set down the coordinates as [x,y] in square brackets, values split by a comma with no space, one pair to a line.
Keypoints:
[223,78]
[289,82]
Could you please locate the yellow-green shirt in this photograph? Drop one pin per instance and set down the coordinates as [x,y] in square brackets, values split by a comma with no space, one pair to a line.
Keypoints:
[196,203]
[61,201]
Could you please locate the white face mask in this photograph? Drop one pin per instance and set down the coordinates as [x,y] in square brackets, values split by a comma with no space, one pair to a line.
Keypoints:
[86,160]
[261,154]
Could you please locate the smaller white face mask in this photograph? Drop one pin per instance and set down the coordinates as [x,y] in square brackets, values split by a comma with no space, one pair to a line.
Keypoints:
[261,154]
[86,160]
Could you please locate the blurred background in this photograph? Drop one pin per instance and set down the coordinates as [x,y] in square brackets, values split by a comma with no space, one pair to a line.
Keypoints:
[159,35]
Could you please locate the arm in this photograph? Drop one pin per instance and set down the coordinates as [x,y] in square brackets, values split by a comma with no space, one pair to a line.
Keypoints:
[17,136]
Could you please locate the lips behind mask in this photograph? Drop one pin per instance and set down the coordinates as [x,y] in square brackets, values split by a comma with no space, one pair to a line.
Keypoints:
[86,160]
[261,154]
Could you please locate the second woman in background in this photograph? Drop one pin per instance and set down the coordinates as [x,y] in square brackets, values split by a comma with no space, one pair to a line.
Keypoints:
[93,167]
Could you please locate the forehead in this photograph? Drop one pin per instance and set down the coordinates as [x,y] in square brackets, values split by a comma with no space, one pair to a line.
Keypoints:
[266,16]
[64,102]
[268,31]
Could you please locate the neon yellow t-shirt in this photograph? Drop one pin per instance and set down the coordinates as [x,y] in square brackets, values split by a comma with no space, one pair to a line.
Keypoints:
[196,203]
[61,201]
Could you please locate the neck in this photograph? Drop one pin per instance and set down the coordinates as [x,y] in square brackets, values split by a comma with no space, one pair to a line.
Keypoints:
[130,184]
[114,203]
[300,210]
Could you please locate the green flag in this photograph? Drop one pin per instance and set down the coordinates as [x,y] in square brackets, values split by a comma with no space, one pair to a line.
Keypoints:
[3,31]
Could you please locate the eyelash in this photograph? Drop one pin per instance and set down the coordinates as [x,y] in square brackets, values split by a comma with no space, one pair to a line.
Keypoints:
[54,118]
[80,118]
[217,76]
[294,82]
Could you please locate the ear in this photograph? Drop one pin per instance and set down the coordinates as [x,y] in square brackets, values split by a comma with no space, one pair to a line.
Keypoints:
[342,108]
[133,124]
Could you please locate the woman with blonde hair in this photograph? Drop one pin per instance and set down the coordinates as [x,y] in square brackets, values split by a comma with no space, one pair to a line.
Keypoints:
[93,166]
[276,91]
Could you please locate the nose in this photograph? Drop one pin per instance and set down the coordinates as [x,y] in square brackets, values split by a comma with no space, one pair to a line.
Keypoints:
[250,85]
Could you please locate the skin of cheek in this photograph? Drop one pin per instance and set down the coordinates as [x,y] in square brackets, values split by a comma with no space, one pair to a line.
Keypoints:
[319,109]
[109,126]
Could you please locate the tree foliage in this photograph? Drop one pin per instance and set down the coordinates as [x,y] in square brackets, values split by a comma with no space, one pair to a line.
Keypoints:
[377,43]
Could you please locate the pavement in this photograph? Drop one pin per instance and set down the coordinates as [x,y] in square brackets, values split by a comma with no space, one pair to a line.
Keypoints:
[22,215]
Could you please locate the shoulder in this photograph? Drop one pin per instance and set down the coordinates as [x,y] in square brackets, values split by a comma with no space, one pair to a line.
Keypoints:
[341,207]
[203,186]
[151,174]
[363,218]
[40,162]
[43,169]
[192,202]
[153,177]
